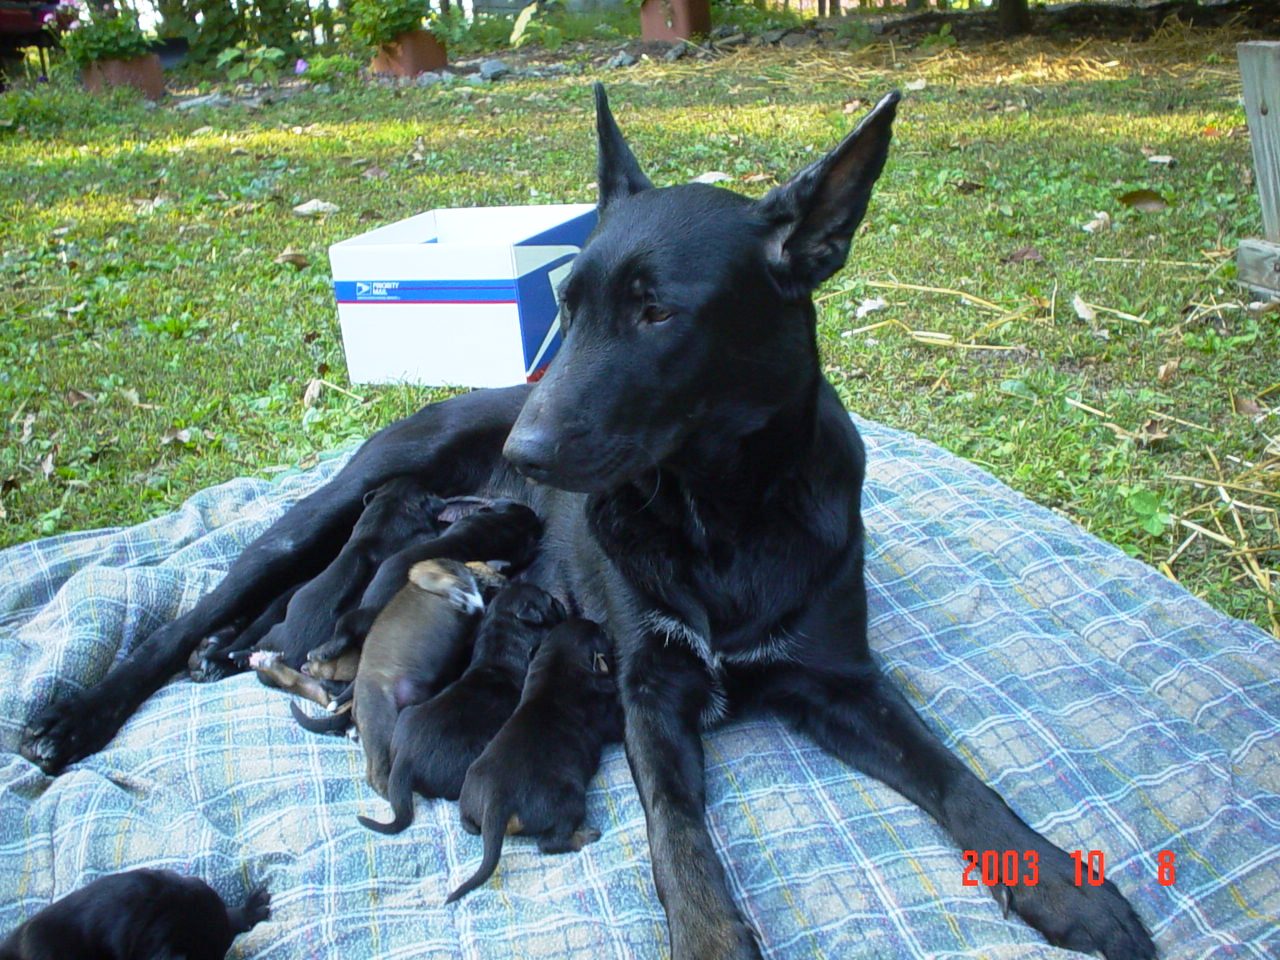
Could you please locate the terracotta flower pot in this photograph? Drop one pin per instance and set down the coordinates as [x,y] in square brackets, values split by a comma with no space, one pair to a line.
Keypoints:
[410,54]
[674,19]
[141,73]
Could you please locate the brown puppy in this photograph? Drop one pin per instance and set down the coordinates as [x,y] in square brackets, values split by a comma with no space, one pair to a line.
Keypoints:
[417,644]
[435,742]
[533,777]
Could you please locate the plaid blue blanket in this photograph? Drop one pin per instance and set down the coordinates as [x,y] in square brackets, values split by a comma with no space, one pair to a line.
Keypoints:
[1113,710]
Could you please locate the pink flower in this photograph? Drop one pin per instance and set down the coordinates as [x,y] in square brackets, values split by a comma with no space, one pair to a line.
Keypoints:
[73,25]
[48,18]
[300,67]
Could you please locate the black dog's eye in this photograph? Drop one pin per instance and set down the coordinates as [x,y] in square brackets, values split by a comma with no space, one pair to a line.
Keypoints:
[654,314]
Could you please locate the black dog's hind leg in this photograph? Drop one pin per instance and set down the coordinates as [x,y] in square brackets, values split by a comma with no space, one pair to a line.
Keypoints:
[861,718]
[456,444]
[664,689]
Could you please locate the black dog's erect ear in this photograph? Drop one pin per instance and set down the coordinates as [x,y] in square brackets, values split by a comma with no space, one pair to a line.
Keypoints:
[810,219]
[618,174]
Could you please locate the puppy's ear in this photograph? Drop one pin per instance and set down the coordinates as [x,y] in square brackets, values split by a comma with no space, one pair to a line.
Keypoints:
[618,174]
[810,220]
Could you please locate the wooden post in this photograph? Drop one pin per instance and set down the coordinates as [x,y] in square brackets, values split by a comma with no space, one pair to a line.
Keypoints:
[1258,261]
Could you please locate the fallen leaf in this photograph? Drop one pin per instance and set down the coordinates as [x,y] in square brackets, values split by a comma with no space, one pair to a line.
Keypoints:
[322,369]
[46,464]
[11,482]
[914,85]
[28,425]
[1161,159]
[1245,406]
[201,131]
[854,105]
[1151,433]
[869,306]
[312,393]
[76,397]
[374,172]
[293,257]
[311,336]
[756,178]
[1083,310]
[1167,370]
[1101,221]
[1026,254]
[1147,201]
[967,186]
[1260,308]
[184,436]
[315,208]
[711,176]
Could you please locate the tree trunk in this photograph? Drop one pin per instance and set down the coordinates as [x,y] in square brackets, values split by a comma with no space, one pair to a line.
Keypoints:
[1014,17]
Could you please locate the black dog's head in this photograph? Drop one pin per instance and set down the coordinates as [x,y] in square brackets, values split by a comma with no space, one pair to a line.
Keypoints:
[689,305]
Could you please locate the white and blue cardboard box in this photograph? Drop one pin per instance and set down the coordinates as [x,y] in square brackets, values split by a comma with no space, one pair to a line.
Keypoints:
[460,297]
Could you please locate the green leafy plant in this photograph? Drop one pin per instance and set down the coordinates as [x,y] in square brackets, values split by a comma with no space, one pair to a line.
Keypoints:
[103,33]
[942,38]
[1149,510]
[330,69]
[377,23]
[254,64]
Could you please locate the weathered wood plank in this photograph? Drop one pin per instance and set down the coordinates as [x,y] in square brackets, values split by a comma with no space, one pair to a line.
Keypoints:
[1260,70]
[1258,266]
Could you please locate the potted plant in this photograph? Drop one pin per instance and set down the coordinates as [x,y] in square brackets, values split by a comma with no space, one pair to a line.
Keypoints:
[394,29]
[110,49]
[674,19]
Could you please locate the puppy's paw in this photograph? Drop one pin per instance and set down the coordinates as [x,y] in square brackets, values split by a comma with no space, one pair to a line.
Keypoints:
[66,731]
[583,836]
[1085,918]
[257,907]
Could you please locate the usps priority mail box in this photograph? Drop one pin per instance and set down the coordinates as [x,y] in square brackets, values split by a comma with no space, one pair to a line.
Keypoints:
[461,296]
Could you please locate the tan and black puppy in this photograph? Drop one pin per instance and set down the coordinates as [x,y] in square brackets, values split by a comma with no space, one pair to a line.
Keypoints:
[419,642]
[533,776]
[137,915]
[435,742]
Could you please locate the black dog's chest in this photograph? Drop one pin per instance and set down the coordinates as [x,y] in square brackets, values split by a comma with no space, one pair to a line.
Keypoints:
[722,581]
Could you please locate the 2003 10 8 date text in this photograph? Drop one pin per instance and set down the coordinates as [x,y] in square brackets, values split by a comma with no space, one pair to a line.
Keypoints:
[1022,868]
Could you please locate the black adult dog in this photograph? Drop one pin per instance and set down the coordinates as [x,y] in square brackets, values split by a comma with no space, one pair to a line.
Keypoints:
[700,483]
[137,915]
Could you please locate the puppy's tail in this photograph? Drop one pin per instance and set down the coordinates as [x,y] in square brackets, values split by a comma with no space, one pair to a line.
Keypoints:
[330,724]
[400,795]
[494,831]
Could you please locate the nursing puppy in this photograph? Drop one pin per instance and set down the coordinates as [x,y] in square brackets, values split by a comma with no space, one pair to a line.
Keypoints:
[138,915]
[435,742]
[419,642]
[533,777]
[399,511]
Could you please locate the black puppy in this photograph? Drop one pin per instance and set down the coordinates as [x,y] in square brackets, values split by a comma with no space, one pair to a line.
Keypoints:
[435,742]
[700,482]
[399,511]
[138,915]
[532,778]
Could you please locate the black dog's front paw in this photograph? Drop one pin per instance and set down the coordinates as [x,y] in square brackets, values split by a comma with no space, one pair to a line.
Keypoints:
[257,907]
[1085,918]
[64,732]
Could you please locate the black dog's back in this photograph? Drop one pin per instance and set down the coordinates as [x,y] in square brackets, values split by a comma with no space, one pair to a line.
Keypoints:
[138,915]
[435,742]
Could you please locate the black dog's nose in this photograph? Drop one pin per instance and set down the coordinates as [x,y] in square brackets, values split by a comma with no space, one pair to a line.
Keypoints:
[531,450]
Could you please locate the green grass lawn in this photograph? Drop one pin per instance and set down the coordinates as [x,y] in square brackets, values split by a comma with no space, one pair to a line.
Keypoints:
[140,297]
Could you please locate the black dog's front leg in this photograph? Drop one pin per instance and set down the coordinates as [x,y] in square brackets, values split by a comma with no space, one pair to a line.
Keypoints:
[664,689]
[861,718]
